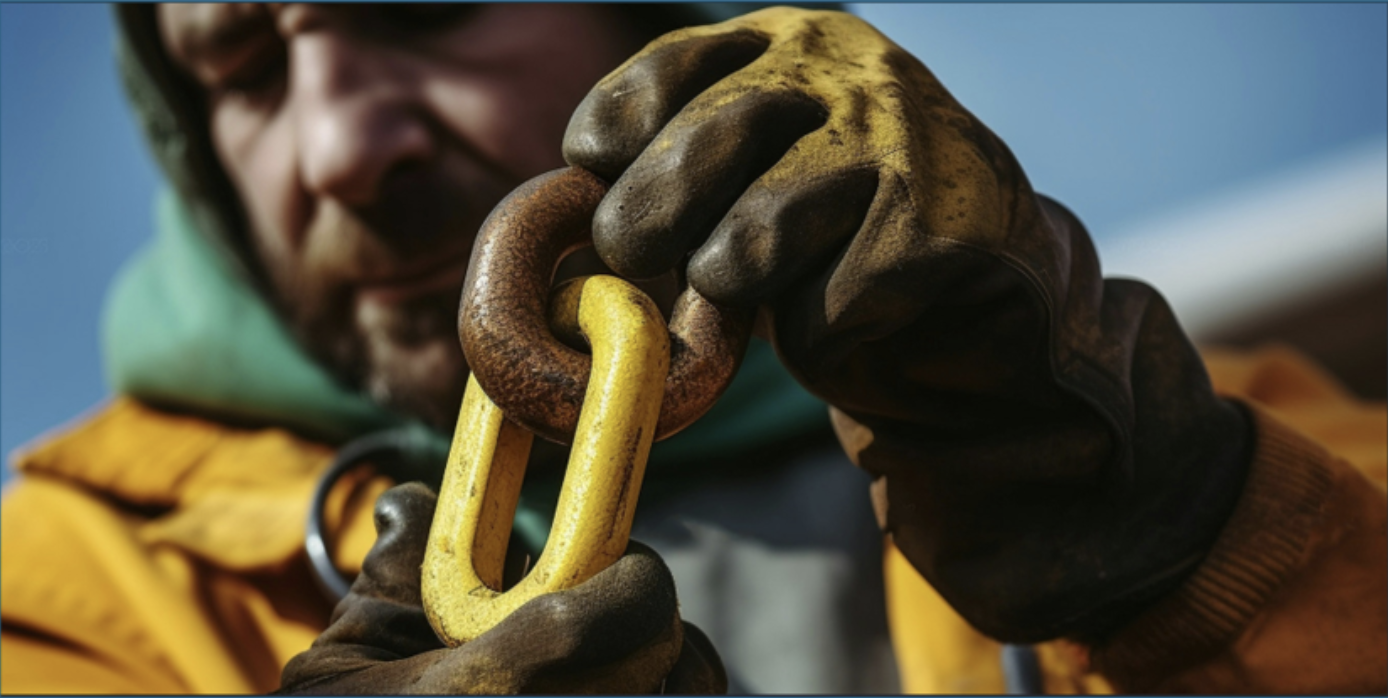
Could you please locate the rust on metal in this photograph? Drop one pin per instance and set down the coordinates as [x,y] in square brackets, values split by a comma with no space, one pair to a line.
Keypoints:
[503,322]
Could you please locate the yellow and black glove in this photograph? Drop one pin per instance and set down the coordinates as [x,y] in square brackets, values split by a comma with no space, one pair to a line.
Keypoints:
[1046,445]
[618,632]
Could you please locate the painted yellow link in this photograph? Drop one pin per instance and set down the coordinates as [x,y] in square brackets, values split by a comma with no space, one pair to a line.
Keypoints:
[592,523]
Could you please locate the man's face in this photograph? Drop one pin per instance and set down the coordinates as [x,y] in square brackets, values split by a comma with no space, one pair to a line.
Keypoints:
[368,143]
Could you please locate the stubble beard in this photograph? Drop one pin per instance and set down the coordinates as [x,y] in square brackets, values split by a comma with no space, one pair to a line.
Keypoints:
[406,358]
[403,355]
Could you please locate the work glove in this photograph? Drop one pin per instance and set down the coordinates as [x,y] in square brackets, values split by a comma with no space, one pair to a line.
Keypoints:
[1046,447]
[619,632]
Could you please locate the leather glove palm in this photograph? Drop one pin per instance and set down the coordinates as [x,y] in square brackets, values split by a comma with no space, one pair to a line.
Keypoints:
[619,632]
[1046,445]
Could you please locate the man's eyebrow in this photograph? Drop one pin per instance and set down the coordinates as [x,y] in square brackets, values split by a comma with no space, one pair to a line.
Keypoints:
[213,31]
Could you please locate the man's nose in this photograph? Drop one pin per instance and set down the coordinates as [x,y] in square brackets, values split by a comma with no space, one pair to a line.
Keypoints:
[356,112]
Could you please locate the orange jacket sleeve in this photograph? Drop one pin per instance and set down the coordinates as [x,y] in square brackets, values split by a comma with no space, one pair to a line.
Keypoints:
[1293,598]
[151,552]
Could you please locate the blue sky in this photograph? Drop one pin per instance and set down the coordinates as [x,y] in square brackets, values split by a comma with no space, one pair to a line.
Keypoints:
[1120,111]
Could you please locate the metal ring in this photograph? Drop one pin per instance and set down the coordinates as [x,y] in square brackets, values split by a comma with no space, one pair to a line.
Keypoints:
[1021,670]
[402,454]
[537,380]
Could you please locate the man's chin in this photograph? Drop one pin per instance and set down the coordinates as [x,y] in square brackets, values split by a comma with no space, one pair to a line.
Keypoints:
[404,356]
[425,380]
[412,358]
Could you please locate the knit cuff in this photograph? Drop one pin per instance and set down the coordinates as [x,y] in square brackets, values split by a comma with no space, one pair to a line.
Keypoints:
[1265,540]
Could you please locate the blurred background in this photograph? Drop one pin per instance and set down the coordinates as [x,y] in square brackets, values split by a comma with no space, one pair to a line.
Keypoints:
[1235,156]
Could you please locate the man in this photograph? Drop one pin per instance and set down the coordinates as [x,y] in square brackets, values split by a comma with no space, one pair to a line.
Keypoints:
[1044,447]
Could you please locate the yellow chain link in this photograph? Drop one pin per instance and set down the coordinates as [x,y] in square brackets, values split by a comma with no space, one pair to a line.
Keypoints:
[462,574]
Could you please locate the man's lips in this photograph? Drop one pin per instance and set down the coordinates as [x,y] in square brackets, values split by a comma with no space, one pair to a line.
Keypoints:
[432,279]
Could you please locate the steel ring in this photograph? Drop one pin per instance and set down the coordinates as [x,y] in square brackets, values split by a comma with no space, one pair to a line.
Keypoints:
[401,454]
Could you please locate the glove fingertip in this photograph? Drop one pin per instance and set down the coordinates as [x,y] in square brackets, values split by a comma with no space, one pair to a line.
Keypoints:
[591,143]
[403,506]
[629,240]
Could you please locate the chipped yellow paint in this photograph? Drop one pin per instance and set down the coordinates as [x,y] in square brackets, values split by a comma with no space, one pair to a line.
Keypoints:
[462,573]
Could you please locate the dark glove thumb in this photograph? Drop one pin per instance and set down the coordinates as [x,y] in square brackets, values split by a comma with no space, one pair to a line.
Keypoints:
[404,514]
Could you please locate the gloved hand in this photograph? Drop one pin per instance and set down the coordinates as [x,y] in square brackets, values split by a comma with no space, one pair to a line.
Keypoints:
[1046,446]
[619,632]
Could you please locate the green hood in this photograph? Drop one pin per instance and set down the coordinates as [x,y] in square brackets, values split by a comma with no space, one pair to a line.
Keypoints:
[183,328]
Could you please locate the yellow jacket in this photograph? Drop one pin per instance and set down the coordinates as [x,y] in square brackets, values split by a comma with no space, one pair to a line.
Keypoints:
[150,552]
